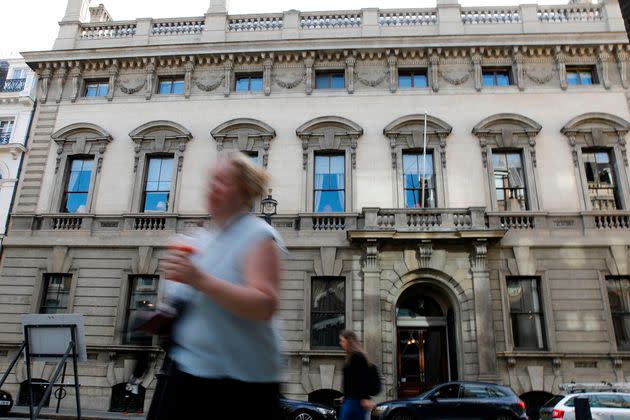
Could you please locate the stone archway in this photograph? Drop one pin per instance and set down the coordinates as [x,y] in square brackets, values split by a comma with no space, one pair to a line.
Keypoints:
[439,322]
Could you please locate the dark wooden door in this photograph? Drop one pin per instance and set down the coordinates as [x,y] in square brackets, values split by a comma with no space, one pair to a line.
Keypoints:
[422,359]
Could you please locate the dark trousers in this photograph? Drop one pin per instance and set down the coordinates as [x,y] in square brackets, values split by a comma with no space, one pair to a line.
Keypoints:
[185,396]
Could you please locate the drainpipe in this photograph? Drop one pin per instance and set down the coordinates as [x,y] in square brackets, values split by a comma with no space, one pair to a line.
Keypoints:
[19,173]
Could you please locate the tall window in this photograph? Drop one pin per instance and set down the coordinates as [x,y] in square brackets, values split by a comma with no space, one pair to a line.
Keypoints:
[6,128]
[619,300]
[248,82]
[329,79]
[157,187]
[581,75]
[96,88]
[416,172]
[330,178]
[600,176]
[56,294]
[412,78]
[509,180]
[142,296]
[526,313]
[171,85]
[496,76]
[75,194]
[328,310]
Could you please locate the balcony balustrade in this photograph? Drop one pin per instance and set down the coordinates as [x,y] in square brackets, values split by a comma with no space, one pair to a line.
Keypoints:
[13,85]
[5,138]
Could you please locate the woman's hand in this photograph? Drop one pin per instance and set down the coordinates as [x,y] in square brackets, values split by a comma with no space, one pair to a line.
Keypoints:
[367,404]
[176,266]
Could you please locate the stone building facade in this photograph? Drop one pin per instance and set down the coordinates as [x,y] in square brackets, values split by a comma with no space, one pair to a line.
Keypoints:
[499,254]
[17,101]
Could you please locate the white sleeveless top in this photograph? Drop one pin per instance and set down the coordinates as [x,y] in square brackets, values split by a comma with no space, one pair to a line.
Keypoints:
[208,340]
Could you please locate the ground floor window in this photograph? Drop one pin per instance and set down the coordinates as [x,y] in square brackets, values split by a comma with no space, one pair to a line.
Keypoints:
[125,401]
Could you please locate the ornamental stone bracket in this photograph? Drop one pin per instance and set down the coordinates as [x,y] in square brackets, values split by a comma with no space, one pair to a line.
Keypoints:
[329,133]
[561,60]
[479,254]
[246,135]
[424,254]
[596,129]
[603,57]
[621,55]
[149,85]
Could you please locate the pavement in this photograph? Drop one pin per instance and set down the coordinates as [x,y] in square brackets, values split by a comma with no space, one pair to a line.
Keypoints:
[67,414]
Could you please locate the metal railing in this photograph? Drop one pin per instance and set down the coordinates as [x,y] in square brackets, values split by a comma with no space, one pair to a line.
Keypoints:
[13,85]
[4,138]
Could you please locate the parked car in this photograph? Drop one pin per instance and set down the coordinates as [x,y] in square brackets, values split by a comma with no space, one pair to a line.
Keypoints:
[6,402]
[604,406]
[456,400]
[304,410]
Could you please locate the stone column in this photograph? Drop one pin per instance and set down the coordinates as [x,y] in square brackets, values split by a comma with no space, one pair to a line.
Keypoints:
[372,337]
[484,327]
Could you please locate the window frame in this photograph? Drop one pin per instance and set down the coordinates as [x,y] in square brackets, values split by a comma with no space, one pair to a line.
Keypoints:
[578,69]
[544,329]
[404,71]
[46,277]
[615,174]
[309,304]
[611,314]
[494,70]
[99,82]
[329,73]
[249,76]
[130,292]
[171,78]
[147,165]
[418,152]
[68,170]
[315,189]
[10,123]
[491,171]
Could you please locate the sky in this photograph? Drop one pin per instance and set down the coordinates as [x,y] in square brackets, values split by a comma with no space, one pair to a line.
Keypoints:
[31,25]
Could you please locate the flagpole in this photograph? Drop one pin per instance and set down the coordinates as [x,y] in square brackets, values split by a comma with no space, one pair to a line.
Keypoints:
[424,155]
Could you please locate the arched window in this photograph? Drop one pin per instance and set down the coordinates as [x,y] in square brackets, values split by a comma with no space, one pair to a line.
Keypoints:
[80,150]
[329,158]
[508,152]
[159,156]
[600,159]
[420,177]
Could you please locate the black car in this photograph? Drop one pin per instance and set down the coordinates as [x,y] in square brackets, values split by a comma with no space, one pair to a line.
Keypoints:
[6,402]
[456,400]
[303,410]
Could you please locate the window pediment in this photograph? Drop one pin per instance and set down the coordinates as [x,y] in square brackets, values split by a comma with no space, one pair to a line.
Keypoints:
[81,139]
[408,132]
[244,134]
[329,133]
[160,137]
[597,130]
[507,131]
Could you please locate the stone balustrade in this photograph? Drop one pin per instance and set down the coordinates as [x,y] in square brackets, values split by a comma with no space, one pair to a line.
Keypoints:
[107,30]
[419,17]
[523,19]
[330,20]
[147,227]
[571,13]
[186,26]
[478,16]
[252,23]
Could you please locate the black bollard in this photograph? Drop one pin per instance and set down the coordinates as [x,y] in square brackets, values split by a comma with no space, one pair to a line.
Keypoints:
[582,409]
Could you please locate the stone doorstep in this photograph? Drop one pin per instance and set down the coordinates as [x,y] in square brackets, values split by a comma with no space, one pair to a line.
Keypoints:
[69,414]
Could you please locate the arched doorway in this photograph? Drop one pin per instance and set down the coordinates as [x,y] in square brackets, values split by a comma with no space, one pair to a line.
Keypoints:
[425,339]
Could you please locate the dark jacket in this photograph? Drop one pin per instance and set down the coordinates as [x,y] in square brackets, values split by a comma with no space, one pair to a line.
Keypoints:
[355,377]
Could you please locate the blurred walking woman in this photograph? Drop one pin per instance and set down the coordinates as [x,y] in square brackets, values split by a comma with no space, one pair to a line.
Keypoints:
[225,348]
[356,401]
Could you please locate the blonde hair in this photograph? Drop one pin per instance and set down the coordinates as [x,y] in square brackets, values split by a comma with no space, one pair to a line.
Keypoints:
[253,179]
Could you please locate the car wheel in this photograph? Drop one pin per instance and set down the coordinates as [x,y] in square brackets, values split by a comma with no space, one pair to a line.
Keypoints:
[400,415]
[303,415]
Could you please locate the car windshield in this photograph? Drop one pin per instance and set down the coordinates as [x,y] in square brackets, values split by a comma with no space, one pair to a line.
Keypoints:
[552,402]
